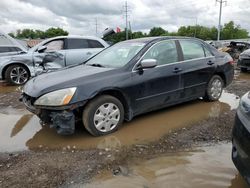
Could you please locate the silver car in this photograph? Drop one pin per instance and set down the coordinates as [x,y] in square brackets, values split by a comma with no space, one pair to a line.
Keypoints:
[62,51]
[10,46]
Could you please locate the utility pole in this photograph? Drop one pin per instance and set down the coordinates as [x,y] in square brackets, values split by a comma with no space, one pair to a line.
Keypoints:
[219,25]
[126,18]
[195,31]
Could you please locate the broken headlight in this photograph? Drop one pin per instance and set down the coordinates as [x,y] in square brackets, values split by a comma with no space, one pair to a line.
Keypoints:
[56,98]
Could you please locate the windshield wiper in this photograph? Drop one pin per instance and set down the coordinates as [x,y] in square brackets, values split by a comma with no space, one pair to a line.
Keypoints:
[95,65]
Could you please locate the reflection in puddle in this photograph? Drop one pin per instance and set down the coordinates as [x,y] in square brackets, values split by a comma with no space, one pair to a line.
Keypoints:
[23,131]
[4,88]
[242,76]
[209,167]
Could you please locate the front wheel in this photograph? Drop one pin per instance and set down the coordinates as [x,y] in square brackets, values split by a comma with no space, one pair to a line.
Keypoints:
[17,74]
[103,115]
[214,88]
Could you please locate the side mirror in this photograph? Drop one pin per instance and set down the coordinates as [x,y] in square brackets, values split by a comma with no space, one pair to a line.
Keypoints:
[41,49]
[148,63]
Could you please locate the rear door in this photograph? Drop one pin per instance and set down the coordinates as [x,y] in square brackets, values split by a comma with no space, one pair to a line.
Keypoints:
[197,68]
[79,50]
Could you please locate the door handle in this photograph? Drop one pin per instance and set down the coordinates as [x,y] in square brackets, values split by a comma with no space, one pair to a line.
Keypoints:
[176,70]
[89,53]
[210,62]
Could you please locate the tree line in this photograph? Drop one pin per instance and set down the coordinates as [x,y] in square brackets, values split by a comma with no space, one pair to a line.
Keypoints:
[229,31]
[38,34]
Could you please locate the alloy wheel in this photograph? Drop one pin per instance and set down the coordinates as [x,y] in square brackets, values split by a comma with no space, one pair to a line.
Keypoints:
[19,75]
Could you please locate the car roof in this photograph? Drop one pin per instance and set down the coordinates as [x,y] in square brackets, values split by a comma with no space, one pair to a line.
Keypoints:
[77,36]
[152,39]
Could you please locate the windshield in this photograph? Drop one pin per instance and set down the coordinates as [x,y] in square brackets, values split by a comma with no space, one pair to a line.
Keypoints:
[116,56]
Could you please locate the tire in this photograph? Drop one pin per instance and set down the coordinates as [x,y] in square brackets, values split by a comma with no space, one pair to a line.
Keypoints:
[103,115]
[243,69]
[214,88]
[17,74]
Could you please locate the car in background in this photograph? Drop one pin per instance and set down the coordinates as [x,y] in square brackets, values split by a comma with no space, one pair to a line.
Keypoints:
[244,61]
[70,50]
[128,79]
[9,46]
[241,138]
[235,48]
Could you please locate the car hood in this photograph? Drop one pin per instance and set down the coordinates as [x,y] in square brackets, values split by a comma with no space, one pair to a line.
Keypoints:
[63,78]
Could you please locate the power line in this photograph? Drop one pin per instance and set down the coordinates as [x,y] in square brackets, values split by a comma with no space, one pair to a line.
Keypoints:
[219,25]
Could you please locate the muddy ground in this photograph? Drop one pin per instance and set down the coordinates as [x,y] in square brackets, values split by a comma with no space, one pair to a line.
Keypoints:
[43,167]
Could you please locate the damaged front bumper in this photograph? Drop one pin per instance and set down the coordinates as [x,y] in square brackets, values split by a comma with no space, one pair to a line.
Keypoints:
[62,118]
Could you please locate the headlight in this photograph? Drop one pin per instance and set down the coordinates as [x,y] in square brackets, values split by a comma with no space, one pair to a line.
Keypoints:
[56,98]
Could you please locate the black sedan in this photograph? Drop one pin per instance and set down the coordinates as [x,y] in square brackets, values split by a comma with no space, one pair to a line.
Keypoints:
[244,61]
[128,79]
[241,138]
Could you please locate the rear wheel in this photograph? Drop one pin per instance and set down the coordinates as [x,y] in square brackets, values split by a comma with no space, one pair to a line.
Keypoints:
[103,115]
[214,88]
[17,74]
[243,69]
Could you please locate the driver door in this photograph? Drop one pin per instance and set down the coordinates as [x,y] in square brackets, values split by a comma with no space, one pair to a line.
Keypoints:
[159,86]
[53,57]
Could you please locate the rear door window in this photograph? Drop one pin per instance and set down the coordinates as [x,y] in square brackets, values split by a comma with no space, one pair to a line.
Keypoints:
[77,43]
[191,49]
[207,52]
[95,44]
[4,49]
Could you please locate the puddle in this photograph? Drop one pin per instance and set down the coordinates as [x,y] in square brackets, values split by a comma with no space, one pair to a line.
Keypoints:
[242,76]
[208,167]
[22,131]
[5,88]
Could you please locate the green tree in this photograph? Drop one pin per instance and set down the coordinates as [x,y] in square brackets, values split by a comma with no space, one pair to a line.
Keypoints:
[53,32]
[138,34]
[35,34]
[230,31]
[157,31]
[11,34]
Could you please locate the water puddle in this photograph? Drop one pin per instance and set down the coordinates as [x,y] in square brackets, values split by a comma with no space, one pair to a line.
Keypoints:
[22,131]
[5,88]
[208,167]
[242,76]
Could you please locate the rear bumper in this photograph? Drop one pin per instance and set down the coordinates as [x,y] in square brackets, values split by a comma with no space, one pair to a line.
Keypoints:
[229,75]
[241,146]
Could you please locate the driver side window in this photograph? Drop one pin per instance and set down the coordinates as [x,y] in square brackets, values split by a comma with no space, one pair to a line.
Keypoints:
[164,52]
[54,45]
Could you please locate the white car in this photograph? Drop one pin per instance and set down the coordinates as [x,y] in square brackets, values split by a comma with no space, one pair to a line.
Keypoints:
[62,51]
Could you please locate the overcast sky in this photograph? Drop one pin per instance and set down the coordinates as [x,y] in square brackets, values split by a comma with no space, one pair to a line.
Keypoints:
[78,16]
